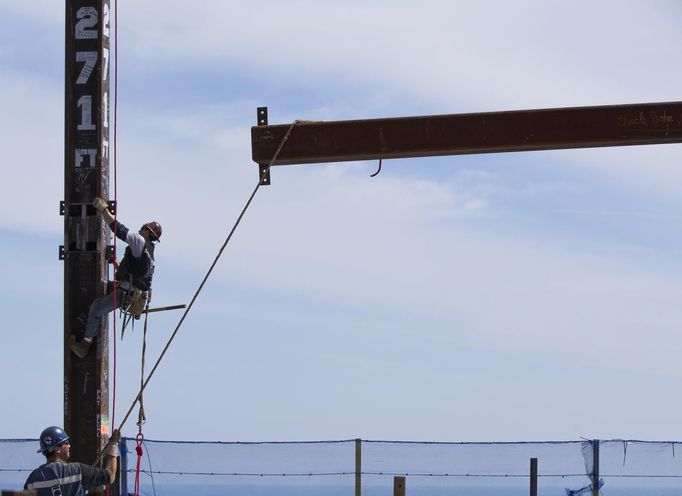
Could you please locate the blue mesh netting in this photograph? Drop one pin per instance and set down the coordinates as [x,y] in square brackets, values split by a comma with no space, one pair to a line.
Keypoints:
[172,468]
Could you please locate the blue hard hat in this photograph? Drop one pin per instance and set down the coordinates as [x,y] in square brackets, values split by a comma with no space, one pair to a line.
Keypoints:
[51,437]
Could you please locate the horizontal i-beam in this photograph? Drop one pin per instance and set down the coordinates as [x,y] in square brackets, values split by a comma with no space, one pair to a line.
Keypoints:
[456,134]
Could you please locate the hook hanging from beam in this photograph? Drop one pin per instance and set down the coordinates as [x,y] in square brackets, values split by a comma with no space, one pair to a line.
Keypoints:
[378,170]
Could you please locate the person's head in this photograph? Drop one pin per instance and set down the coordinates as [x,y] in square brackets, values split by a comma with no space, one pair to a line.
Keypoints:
[54,443]
[151,231]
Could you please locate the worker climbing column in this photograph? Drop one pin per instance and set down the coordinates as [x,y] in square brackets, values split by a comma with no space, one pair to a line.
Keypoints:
[85,251]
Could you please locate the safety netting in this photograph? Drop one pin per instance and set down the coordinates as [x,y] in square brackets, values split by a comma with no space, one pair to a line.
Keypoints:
[564,468]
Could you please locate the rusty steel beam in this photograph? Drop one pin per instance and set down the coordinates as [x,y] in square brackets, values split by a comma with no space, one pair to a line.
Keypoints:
[457,134]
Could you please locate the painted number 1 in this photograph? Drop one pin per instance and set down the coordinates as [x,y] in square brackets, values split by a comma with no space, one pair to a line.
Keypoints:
[85,105]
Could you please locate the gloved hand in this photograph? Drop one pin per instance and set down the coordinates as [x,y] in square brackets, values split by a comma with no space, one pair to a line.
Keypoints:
[111,449]
[100,204]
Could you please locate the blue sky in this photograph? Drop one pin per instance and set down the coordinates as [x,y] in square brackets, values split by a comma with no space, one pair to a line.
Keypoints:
[495,297]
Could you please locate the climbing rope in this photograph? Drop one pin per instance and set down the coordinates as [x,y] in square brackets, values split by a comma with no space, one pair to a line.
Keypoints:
[144,385]
[141,418]
[115,155]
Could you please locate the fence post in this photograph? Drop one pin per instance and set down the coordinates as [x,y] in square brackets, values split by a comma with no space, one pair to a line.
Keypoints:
[533,477]
[595,467]
[358,467]
[123,467]
[398,486]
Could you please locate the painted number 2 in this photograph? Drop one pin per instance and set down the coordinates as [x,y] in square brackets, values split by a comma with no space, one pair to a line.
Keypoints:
[87,22]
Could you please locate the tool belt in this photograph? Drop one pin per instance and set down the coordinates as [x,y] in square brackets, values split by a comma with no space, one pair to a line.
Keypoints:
[136,301]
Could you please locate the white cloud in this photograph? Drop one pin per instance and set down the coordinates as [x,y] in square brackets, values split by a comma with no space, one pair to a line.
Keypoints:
[43,11]
[483,55]
[333,234]
[31,138]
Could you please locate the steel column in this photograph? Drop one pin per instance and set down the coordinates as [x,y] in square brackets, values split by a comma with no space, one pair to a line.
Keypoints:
[86,175]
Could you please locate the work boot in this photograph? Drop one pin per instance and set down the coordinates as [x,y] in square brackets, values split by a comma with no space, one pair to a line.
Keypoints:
[80,348]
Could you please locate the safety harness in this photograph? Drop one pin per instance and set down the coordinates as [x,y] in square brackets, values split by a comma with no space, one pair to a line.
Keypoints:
[135,276]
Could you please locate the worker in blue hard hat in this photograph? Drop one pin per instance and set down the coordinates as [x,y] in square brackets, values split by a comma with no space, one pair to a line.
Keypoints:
[133,276]
[58,476]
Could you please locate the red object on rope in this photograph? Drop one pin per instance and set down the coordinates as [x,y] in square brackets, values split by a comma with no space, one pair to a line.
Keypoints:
[139,439]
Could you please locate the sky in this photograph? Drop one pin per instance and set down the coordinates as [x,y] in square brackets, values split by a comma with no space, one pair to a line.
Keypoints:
[515,296]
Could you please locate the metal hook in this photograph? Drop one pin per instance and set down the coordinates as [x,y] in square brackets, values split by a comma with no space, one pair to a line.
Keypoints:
[378,170]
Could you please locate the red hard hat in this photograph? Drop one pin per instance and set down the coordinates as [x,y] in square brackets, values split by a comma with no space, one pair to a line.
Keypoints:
[155,228]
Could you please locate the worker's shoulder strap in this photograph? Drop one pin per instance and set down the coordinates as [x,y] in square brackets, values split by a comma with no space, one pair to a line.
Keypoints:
[149,248]
[149,265]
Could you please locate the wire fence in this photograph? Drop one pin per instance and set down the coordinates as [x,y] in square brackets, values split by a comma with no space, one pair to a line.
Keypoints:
[368,467]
